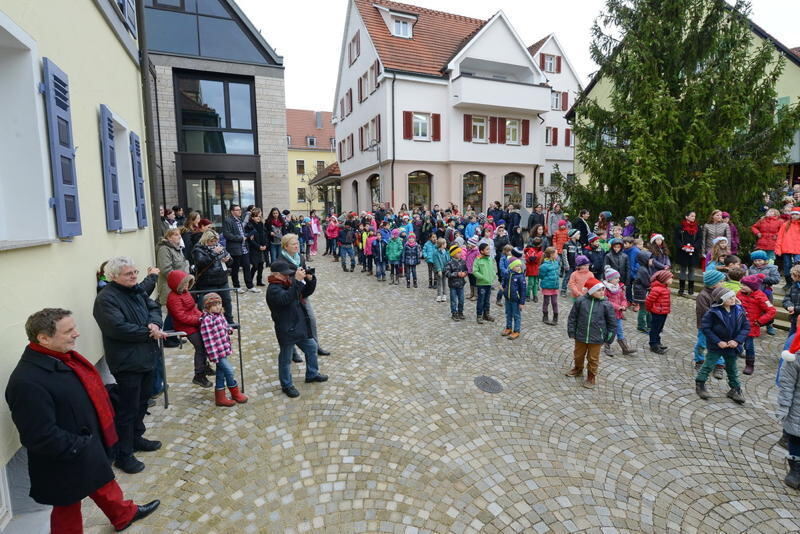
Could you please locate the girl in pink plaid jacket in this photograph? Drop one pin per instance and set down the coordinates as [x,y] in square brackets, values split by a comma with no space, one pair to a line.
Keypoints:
[216,334]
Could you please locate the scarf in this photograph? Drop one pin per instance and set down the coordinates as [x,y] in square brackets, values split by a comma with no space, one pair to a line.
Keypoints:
[690,228]
[612,288]
[292,258]
[93,384]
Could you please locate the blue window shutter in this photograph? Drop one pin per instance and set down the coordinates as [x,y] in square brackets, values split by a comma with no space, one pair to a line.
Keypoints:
[62,151]
[130,16]
[138,181]
[110,179]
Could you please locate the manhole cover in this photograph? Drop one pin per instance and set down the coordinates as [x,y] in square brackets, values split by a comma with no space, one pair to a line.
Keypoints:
[489,385]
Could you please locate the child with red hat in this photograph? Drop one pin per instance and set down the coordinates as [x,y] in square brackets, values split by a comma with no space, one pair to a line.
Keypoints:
[592,322]
[658,303]
[759,310]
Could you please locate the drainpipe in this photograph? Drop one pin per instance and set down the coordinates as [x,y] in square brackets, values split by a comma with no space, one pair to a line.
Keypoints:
[394,148]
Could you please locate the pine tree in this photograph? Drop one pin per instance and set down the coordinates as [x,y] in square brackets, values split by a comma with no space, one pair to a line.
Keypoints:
[692,121]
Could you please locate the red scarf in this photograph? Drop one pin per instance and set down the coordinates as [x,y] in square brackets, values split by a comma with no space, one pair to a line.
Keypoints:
[93,384]
[690,228]
[272,279]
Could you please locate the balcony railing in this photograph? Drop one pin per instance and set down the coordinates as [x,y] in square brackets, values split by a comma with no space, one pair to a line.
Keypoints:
[473,91]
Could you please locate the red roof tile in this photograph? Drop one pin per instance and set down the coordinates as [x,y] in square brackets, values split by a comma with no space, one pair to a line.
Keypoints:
[532,49]
[302,123]
[437,37]
[796,51]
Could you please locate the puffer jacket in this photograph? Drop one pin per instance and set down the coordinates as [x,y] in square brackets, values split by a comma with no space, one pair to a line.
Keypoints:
[379,250]
[702,304]
[429,250]
[759,310]
[792,298]
[411,254]
[548,274]
[618,262]
[394,250]
[617,300]
[770,272]
[641,285]
[788,238]
[533,261]
[596,257]
[766,231]
[451,270]
[658,301]
[719,325]
[592,321]
[180,303]
[713,230]
[440,259]
[210,269]
[515,287]
[788,411]
[472,255]
[168,258]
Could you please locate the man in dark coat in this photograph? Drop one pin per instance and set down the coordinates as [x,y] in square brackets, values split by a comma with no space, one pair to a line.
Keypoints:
[536,217]
[130,322]
[288,286]
[65,420]
[581,224]
[236,244]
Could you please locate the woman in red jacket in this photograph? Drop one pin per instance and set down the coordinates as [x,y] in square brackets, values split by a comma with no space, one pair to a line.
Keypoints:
[658,303]
[766,231]
[788,243]
[186,318]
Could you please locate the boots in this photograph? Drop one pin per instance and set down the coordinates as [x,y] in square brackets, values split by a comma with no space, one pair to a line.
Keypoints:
[735,394]
[607,350]
[590,381]
[505,332]
[487,317]
[415,283]
[472,296]
[658,349]
[555,320]
[239,397]
[749,366]
[454,316]
[574,372]
[546,317]
[681,287]
[535,298]
[793,476]
[480,319]
[408,283]
[461,316]
[391,278]
[626,349]
[700,389]
[221,399]
[691,287]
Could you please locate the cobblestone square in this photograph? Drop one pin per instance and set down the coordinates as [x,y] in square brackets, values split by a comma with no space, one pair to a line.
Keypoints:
[401,440]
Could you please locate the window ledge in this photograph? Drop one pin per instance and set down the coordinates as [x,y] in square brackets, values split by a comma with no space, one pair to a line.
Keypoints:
[11,245]
[127,230]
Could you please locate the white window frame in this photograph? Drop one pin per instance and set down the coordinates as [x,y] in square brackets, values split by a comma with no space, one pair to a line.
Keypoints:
[367,134]
[402,26]
[548,136]
[421,126]
[373,79]
[571,137]
[365,86]
[480,125]
[513,126]
[555,100]
[127,195]
[373,130]
[549,63]
[311,141]
[303,198]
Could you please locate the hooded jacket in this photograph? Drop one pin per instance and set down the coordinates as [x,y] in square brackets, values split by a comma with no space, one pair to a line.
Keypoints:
[788,238]
[515,287]
[617,300]
[451,270]
[788,412]
[168,258]
[592,321]
[548,274]
[658,301]
[411,253]
[180,303]
[766,231]
[720,325]
[618,262]
[533,261]
[759,310]
[292,323]
[394,250]
[641,285]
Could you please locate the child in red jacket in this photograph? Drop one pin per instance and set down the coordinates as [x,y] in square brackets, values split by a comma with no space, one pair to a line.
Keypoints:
[186,318]
[658,303]
[760,311]
[533,260]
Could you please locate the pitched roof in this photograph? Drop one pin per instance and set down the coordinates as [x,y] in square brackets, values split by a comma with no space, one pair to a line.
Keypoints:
[329,176]
[437,37]
[302,123]
[532,49]
[796,51]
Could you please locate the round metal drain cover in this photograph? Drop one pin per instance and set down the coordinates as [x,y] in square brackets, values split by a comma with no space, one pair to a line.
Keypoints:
[487,384]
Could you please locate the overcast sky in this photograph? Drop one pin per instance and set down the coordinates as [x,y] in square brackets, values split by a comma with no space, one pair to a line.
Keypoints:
[308,33]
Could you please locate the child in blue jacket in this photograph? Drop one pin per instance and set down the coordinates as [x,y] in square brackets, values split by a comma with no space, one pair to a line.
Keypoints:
[514,290]
[428,252]
[502,269]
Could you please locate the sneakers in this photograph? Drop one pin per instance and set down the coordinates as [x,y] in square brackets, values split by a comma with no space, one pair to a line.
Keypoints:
[574,372]
[291,392]
[505,332]
[480,319]
[487,317]
[717,373]
[240,290]
[735,394]
[254,290]
[201,381]
[770,329]
[700,389]
[318,378]
[658,349]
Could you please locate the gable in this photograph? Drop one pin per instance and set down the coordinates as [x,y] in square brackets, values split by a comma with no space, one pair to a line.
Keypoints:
[496,42]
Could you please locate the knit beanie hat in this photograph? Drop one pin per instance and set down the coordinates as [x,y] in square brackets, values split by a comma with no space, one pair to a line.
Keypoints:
[712,277]
[653,237]
[455,250]
[630,219]
[720,295]
[606,215]
[662,276]
[580,259]
[718,239]
[209,299]
[795,211]
[593,284]
[726,215]
[592,238]
[517,252]
[609,273]
[754,281]
[574,232]
[473,241]
[501,222]
[516,264]
[395,232]
[758,255]
[562,223]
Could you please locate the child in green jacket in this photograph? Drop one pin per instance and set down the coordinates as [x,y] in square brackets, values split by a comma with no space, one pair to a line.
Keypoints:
[485,271]
[394,253]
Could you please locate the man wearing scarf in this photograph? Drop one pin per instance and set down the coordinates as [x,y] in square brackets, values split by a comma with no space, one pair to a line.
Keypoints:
[65,419]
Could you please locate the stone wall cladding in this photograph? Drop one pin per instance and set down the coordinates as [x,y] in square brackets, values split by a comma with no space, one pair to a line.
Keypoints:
[169,134]
[271,119]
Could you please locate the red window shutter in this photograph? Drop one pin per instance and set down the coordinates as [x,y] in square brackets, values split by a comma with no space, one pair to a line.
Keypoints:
[565,101]
[555,137]
[350,146]
[468,128]
[567,136]
[437,127]
[558,63]
[339,147]
[541,61]
[526,135]
[358,43]
[349,101]
[407,123]
[378,128]
[501,130]
[492,129]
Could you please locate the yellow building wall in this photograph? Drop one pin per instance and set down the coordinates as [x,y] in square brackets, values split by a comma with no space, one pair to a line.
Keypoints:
[310,157]
[77,37]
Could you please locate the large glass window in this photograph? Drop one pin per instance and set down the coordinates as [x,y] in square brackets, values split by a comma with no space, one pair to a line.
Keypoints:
[473,190]
[215,115]
[512,188]
[420,126]
[512,132]
[478,129]
[213,196]
[419,189]
[374,182]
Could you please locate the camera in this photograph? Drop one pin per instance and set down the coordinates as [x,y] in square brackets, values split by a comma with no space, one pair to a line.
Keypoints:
[310,271]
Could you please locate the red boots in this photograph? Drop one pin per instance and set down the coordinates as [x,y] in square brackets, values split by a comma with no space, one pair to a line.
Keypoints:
[221,399]
[237,396]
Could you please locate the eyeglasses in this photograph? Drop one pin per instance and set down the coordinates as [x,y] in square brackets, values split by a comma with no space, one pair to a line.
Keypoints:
[131,273]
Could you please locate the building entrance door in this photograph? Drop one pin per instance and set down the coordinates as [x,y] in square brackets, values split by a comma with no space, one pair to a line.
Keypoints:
[213,196]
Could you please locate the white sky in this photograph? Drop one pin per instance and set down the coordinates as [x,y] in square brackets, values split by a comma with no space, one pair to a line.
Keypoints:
[308,33]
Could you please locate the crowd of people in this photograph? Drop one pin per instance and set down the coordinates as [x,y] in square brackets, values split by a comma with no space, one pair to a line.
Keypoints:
[73,423]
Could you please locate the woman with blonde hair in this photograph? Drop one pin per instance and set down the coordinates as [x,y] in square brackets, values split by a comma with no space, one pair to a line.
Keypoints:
[713,229]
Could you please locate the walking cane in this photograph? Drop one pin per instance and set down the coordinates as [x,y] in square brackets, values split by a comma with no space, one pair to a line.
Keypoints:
[169,333]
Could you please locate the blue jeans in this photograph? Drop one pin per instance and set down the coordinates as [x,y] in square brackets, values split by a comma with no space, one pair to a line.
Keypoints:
[513,315]
[565,281]
[274,252]
[620,332]
[309,348]
[701,347]
[484,300]
[224,374]
[657,322]
[411,272]
[456,299]
[380,269]
[344,251]
[788,261]
[749,348]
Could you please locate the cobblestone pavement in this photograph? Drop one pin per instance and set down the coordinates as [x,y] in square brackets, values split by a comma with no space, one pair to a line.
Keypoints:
[401,440]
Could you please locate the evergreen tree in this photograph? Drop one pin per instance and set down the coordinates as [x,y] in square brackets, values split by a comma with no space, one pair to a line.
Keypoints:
[692,121]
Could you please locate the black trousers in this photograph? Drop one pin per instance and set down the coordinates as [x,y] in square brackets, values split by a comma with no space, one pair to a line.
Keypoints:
[133,390]
[242,261]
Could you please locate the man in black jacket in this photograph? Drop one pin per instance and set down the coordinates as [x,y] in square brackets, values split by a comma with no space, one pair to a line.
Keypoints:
[583,226]
[65,420]
[236,244]
[130,322]
[536,217]
[288,286]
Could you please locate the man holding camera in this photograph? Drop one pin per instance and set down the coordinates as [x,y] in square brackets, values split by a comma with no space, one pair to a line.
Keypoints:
[288,287]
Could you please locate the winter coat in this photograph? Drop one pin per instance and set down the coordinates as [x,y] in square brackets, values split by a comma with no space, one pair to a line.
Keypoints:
[661,262]
[771,274]
[428,251]
[472,254]
[719,325]
[553,219]
[533,261]
[411,254]
[168,258]
[788,412]
[713,230]
[759,310]
[332,231]
[379,250]
[592,321]
[788,238]
[633,262]
[502,268]
[618,262]
[548,274]
[123,313]
[702,304]
[792,298]
[514,287]
[58,424]
[584,228]
[214,331]
[658,301]
[571,250]
[234,238]
[617,300]
[766,231]
[641,284]
[394,250]
[499,243]
[484,268]
[181,305]
[440,259]
[256,232]
[596,258]
[685,239]
[451,270]
[734,233]
[292,323]
[347,236]
[560,237]
[577,280]
[210,271]
[514,219]
[537,218]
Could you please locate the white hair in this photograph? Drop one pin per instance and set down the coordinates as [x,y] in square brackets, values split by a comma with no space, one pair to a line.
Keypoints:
[115,265]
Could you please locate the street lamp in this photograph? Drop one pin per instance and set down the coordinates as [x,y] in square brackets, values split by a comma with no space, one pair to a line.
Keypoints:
[375,146]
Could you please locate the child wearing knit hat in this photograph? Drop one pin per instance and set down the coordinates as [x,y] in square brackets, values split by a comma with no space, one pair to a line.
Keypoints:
[440,259]
[548,278]
[615,293]
[428,251]
[577,280]
[762,265]
[659,304]
[592,322]
[569,254]
[456,274]
[533,259]
[711,280]
[411,257]
[760,311]
[394,253]
[514,291]
[469,259]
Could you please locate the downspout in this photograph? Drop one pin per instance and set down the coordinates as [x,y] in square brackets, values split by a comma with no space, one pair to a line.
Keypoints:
[394,149]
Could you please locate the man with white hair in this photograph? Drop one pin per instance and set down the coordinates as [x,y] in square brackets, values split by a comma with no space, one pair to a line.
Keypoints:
[130,322]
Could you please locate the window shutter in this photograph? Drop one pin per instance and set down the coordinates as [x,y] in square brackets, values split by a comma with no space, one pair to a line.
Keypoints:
[437,127]
[130,16]
[526,132]
[468,128]
[555,137]
[341,108]
[360,89]
[378,128]
[361,138]
[492,129]
[501,130]
[350,146]
[341,153]
[567,136]
[358,43]
[565,101]
[407,119]
[558,63]
[349,101]
[110,179]
[138,181]
[541,61]
[62,151]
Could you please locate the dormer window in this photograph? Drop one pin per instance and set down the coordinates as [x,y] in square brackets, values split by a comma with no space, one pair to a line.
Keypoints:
[401,27]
